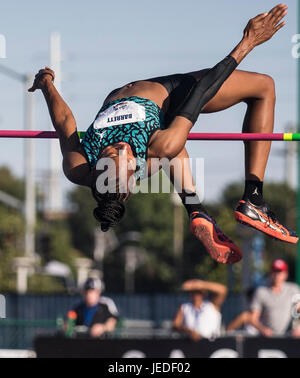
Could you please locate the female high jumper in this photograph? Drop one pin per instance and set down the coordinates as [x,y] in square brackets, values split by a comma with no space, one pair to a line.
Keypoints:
[152,118]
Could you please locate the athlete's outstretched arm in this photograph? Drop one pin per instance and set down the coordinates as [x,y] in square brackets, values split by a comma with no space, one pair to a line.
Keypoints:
[61,115]
[74,162]
[258,30]
[169,143]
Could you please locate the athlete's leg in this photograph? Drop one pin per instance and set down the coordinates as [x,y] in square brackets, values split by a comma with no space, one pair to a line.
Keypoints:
[204,228]
[170,142]
[258,92]
[181,173]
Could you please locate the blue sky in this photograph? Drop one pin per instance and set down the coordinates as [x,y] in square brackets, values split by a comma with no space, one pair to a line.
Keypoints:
[107,44]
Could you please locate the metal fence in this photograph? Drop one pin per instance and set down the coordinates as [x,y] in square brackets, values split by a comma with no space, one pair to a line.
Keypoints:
[32,315]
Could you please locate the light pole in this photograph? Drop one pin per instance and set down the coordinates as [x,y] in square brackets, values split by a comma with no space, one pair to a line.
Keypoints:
[178,233]
[30,203]
[134,256]
[55,201]
[30,200]
[247,235]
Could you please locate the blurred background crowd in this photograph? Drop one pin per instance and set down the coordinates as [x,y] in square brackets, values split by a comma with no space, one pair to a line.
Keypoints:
[272,309]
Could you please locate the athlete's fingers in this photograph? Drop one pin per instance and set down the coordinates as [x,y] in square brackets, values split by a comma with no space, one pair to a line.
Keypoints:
[277,13]
[50,71]
[39,75]
[272,17]
[277,7]
[45,72]
[32,89]
[280,26]
[278,17]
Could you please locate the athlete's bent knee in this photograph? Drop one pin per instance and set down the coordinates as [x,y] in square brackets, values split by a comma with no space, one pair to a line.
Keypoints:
[268,86]
[169,150]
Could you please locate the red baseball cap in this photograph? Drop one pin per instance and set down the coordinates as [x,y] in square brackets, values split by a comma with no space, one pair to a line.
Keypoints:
[279,266]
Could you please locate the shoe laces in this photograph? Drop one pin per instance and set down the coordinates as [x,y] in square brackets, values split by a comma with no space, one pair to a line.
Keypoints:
[270,214]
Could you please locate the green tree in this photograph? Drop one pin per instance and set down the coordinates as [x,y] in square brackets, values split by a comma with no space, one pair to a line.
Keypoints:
[53,240]
[81,221]
[11,230]
[11,184]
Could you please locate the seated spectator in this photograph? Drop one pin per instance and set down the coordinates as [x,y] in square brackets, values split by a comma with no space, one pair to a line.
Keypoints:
[201,318]
[96,312]
[243,320]
[272,305]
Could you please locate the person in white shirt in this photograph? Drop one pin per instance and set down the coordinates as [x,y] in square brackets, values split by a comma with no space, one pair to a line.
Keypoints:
[201,318]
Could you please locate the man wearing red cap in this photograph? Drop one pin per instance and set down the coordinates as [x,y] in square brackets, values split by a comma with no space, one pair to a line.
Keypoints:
[272,305]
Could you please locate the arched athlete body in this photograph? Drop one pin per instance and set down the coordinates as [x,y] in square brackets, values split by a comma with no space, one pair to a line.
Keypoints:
[152,118]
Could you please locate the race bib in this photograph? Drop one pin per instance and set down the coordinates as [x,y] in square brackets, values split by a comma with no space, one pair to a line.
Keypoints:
[120,114]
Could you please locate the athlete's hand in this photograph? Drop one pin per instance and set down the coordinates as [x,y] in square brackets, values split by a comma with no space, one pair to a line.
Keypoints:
[42,78]
[262,28]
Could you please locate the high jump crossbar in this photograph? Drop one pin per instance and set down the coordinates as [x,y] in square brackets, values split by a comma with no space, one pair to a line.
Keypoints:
[287,137]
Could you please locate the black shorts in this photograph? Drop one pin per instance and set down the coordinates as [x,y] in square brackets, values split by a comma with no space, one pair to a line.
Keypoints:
[179,86]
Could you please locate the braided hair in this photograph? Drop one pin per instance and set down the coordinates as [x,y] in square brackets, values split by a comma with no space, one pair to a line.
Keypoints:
[110,209]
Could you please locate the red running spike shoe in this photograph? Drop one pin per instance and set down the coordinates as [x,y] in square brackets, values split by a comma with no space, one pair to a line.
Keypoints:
[218,245]
[263,219]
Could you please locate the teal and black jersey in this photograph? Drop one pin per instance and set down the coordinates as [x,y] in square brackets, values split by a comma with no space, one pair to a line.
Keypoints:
[132,120]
